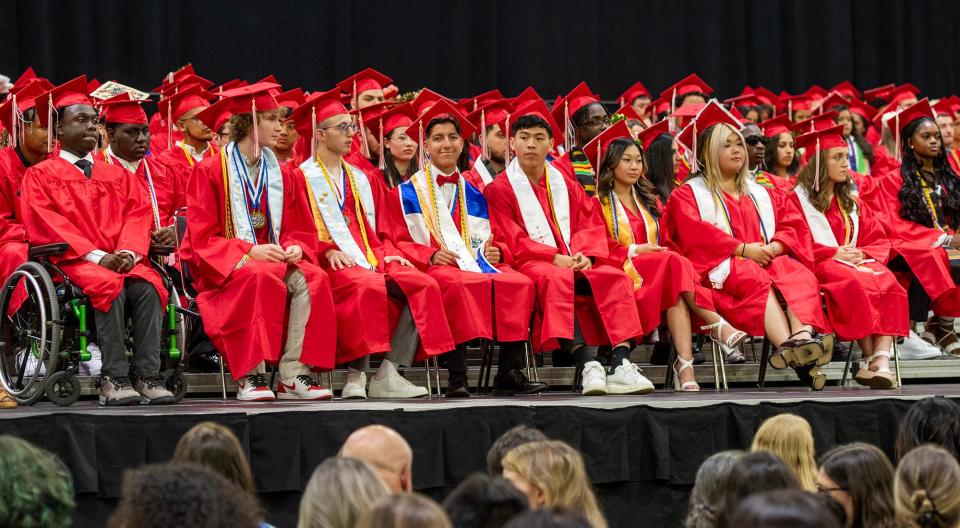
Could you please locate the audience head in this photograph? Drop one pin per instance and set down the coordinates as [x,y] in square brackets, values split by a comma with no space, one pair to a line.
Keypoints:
[790,508]
[931,420]
[519,435]
[45,499]
[708,487]
[860,477]
[482,501]
[405,510]
[340,491]
[790,437]
[386,452]
[926,488]
[551,473]
[549,518]
[215,447]
[169,495]
[754,473]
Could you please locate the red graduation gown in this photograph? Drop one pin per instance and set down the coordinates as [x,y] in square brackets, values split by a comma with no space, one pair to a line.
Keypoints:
[478,305]
[245,310]
[665,274]
[914,242]
[158,134]
[13,240]
[609,315]
[108,212]
[366,314]
[163,187]
[860,303]
[742,300]
[179,165]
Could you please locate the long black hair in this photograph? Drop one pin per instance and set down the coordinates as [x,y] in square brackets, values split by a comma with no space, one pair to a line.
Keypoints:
[659,160]
[391,175]
[865,147]
[770,156]
[913,204]
[606,178]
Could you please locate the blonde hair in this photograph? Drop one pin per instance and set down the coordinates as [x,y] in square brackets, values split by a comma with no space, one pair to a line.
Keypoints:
[790,437]
[339,493]
[708,154]
[405,510]
[925,490]
[558,470]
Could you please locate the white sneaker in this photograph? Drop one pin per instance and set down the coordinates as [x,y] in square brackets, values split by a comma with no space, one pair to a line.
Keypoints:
[627,379]
[302,387]
[913,347]
[593,379]
[32,361]
[92,367]
[356,386]
[388,383]
[254,388]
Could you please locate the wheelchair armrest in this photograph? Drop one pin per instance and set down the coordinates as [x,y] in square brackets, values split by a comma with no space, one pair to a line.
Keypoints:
[161,251]
[46,250]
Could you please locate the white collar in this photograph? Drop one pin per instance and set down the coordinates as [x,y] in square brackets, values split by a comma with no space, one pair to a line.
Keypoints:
[73,159]
[194,153]
[436,172]
[129,165]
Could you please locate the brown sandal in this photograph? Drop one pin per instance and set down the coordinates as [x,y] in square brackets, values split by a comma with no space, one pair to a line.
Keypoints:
[6,401]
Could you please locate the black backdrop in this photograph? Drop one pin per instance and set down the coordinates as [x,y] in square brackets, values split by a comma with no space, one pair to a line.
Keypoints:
[461,48]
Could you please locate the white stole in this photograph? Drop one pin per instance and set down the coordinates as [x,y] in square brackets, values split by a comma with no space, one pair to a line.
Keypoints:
[333,217]
[238,199]
[820,226]
[534,217]
[481,169]
[452,240]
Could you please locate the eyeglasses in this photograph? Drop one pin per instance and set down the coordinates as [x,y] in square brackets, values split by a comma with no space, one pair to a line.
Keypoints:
[753,141]
[596,122]
[344,128]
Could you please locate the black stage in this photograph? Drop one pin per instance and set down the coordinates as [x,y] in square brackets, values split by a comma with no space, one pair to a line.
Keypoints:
[642,452]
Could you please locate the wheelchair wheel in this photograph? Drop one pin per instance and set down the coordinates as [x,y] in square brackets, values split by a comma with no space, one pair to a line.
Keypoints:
[63,388]
[177,384]
[30,336]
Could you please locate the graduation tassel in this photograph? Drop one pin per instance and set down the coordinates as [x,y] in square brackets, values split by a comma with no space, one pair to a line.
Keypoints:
[169,127]
[506,151]
[896,136]
[567,127]
[420,155]
[364,147]
[484,147]
[694,165]
[256,133]
[816,179]
[313,132]
[13,120]
[381,164]
[673,101]
[50,124]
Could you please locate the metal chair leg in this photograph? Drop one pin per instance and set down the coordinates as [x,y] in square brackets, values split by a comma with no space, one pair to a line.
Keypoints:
[847,368]
[436,370]
[723,371]
[717,353]
[532,360]
[223,379]
[668,377]
[486,365]
[426,368]
[896,364]
[764,359]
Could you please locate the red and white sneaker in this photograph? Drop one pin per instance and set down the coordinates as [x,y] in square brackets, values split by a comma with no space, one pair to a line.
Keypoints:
[254,388]
[302,387]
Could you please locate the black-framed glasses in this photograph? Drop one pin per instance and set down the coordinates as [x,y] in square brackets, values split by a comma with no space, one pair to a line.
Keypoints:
[753,141]
[344,128]
[596,122]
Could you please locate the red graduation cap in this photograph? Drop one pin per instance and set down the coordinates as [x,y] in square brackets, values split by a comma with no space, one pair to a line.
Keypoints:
[847,90]
[185,80]
[880,92]
[93,84]
[686,112]
[368,79]
[176,76]
[564,108]
[947,106]
[37,82]
[487,115]
[388,120]
[597,147]
[635,90]
[647,136]
[817,122]
[317,108]
[426,99]
[13,107]
[660,105]
[291,99]
[442,108]
[776,126]
[910,88]
[229,85]
[628,112]
[792,103]
[854,105]
[902,94]
[25,77]
[254,98]
[690,84]
[528,94]
[711,114]
[765,95]
[904,117]
[216,115]
[69,93]
[172,108]
[816,92]
[484,99]
[532,106]
[123,110]
[744,100]
[814,143]
[391,91]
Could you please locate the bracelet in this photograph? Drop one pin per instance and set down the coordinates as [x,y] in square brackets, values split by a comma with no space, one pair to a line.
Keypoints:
[743,248]
[243,260]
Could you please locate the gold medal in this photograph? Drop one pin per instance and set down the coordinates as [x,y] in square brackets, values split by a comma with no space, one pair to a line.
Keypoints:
[258,220]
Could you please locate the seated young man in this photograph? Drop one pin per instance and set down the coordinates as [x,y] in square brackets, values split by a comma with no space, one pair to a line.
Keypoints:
[103,215]
[258,300]
[557,240]
[383,303]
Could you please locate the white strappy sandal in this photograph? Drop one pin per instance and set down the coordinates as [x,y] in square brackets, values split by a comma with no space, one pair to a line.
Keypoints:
[730,346]
[687,386]
[883,378]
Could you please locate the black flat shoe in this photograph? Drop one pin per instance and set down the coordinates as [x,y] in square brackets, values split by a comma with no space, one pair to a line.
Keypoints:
[513,381]
[457,386]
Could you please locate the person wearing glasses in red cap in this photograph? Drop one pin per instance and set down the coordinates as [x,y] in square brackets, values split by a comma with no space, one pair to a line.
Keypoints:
[245,238]
[194,144]
[582,117]
[102,213]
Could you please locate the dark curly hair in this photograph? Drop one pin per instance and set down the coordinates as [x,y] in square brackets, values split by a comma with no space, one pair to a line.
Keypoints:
[913,205]
[165,495]
[605,179]
[770,156]
[933,420]
[36,489]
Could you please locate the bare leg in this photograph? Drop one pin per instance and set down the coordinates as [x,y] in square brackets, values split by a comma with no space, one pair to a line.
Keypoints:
[775,321]
[678,321]
[708,316]
[797,326]
[881,343]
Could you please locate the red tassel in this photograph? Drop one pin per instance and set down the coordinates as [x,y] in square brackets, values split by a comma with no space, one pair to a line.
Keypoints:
[364,147]
[816,179]
[13,120]
[483,135]
[313,132]
[381,164]
[256,133]
[421,157]
[567,126]
[50,124]
[169,127]
[506,133]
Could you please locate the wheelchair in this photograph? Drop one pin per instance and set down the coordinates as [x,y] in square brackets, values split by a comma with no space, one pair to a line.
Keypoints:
[54,324]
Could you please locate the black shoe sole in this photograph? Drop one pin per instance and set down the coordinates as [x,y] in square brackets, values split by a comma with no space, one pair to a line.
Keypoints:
[459,392]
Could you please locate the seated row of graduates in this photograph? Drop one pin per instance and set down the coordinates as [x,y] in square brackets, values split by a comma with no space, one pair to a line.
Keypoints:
[278,252]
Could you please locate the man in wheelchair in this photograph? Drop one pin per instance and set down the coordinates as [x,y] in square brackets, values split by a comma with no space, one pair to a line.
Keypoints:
[106,219]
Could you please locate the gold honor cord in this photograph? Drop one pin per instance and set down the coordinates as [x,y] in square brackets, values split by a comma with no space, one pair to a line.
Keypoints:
[186,153]
[358,207]
[553,212]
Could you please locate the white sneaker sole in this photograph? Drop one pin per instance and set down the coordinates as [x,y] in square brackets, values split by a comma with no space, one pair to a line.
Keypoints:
[353,395]
[293,396]
[614,388]
[257,399]
[599,390]
[397,395]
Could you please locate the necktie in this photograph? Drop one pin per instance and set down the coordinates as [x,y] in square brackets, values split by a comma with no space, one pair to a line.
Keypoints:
[85,166]
[443,180]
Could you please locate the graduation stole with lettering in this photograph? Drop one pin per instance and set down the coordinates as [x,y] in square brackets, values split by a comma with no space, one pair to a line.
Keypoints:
[152,191]
[237,220]
[327,206]
[534,219]
[618,226]
[714,211]
[428,217]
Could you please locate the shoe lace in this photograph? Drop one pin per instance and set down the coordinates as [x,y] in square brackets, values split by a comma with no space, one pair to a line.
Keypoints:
[154,382]
[121,383]
[257,380]
[633,370]
[306,380]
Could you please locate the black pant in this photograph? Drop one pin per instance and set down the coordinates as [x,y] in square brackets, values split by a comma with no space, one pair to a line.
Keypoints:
[917,298]
[139,296]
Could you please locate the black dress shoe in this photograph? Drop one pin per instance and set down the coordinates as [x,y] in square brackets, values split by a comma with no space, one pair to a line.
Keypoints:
[457,386]
[205,362]
[513,381]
